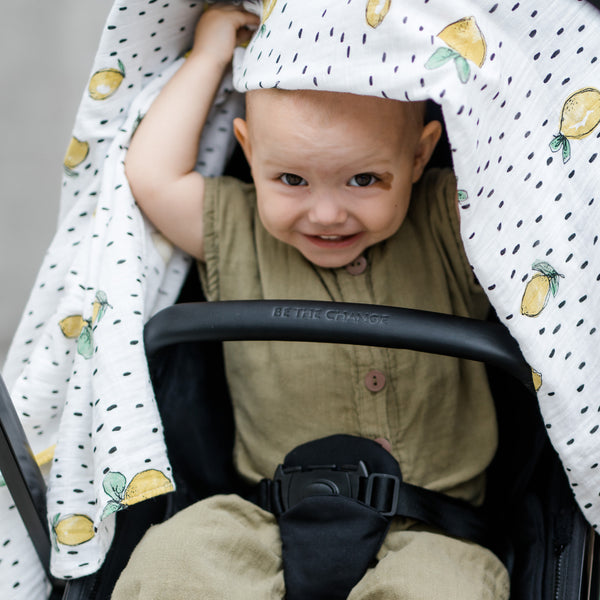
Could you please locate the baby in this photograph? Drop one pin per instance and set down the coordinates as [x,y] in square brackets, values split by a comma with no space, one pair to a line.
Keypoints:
[340,209]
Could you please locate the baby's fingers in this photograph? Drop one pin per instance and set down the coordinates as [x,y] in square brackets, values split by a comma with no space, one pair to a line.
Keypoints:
[246,21]
[222,27]
[244,34]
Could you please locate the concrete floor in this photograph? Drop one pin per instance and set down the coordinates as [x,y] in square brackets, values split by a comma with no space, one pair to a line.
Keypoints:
[47,49]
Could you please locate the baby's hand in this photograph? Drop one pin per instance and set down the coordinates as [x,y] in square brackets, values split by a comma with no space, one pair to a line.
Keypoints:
[220,29]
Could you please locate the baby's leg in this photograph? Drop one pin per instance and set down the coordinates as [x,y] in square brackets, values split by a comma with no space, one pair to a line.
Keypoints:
[414,565]
[222,547]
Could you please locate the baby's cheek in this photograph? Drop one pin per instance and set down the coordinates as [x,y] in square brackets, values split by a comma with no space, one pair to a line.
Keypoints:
[395,217]
[276,224]
[276,213]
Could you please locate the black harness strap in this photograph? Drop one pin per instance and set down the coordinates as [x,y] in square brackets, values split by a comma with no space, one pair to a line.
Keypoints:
[387,494]
[334,499]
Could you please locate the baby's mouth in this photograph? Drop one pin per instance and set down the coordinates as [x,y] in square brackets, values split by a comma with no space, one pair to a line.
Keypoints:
[331,240]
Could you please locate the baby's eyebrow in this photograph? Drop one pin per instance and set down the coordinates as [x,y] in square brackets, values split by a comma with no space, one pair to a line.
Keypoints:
[387,180]
[382,175]
[278,161]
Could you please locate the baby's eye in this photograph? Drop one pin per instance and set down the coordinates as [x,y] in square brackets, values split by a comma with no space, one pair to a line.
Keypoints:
[363,180]
[292,179]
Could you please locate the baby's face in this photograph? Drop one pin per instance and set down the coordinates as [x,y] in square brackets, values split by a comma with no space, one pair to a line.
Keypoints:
[333,172]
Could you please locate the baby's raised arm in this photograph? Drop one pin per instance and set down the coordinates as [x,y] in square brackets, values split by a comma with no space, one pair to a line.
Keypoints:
[162,155]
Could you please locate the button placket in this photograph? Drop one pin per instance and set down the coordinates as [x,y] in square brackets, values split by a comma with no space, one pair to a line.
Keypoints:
[375,380]
[358,266]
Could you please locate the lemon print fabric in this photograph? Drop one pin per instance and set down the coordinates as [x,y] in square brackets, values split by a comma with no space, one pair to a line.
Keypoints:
[77,152]
[144,485]
[465,43]
[76,326]
[71,530]
[580,115]
[376,11]
[536,378]
[539,289]
[104,83]
[267,9]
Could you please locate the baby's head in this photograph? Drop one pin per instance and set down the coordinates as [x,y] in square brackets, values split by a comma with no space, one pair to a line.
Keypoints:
[333,172]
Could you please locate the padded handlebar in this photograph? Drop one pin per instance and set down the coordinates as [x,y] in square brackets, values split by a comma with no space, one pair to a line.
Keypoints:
[342,323]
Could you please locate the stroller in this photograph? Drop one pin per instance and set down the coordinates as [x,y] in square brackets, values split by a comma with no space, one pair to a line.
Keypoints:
[552,552]
[558,529]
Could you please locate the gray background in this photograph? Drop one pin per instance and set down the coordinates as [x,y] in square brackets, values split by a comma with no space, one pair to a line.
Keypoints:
[46,54]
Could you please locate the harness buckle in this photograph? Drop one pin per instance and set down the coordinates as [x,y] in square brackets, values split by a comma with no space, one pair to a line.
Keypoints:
[382,493]
[293,484]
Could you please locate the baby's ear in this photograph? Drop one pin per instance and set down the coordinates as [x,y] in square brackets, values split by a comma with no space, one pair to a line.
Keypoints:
[240,130]
[428,140]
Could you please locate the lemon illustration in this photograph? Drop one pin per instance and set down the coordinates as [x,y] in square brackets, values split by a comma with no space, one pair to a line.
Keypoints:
[73,530]
[45,456]
[268,6]
[536,377]
[100,306]
[377,11]
[76,153]
[85,342]
[466,43]
[267,9]
[146,484]
[465,37]
[142,486]
[75,326]
[539,288]
[106,82]
[72,326]
[96,310]
[579,117]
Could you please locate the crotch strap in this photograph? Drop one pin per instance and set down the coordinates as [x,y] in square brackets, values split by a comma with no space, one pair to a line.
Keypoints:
[334,499]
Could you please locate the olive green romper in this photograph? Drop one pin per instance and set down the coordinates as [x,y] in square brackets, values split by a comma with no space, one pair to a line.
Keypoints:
[436,412]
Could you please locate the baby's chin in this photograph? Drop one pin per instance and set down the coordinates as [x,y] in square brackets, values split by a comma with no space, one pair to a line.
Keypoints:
[331,261]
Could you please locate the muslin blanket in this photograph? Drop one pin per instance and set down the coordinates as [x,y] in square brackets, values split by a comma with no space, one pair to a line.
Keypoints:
[519,86]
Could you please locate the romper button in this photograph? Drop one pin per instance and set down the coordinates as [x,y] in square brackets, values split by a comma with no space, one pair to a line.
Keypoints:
[374,380]
[357,266]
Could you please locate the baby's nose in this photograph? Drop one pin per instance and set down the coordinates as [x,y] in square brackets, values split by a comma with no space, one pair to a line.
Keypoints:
[327,211]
